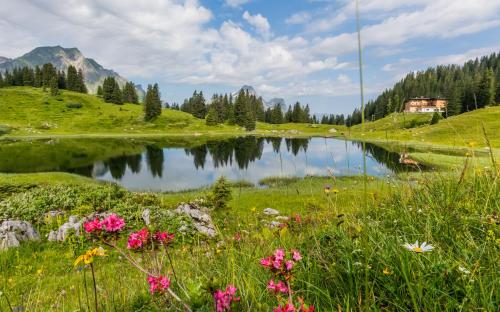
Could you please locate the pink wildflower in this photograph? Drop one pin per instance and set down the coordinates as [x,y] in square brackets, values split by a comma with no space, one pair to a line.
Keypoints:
[277,264]
[266,262]
[113,223]
[298,218]
[158,284]
[223,299]
[286,308]
[92,226]
[296,255]
[279,287]
[289,265]
[164,237]
[137,239]
[279,254]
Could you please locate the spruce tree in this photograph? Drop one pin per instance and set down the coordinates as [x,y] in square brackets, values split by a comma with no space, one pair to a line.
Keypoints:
[72,78]
[249,122]
[276,115]
[99,91]
[54,86]
[38,77]
[211,119]
[28,77]
[117,96]
[130,93]
[240,109]
[82,88]
[61,80]
[152,103]
[1,81]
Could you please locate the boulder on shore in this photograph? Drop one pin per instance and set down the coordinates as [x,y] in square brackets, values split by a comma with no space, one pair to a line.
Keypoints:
[199,215]
[14,232]
[72,226]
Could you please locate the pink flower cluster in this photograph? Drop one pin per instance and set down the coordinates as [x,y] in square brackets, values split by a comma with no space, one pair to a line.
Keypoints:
[140,239]
[277,262]
[158,284]
[111,224]
[279,287]
[224,299]
[290,308]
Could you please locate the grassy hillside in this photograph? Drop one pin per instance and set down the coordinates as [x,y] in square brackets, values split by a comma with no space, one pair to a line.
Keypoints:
[462,130]
[32,112]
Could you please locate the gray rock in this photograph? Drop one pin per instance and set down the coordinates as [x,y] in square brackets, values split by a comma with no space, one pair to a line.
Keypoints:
[146,216]
[13,233]
[282,218]
[72,226]
[199,215]
[271,212]
[274,224]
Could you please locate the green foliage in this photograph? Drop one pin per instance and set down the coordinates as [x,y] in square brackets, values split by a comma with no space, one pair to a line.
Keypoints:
[54,87]
[111,92]
[74,105]
[468,87]
[130,93]
[152,103]
[221,193]
[436,117]
[195,105]
[211,119]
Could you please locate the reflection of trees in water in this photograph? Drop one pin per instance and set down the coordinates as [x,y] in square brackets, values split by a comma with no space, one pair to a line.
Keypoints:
[154,157]
[247,150]
[117,166]
[199,154]
[134,163]
[221,152]
[295,145]
[381,155]
[275,142]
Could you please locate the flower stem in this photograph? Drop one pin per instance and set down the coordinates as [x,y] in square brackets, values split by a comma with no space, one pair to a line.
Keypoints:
[95,287]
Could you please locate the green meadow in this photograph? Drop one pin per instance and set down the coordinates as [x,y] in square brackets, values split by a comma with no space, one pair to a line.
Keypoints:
[351,231]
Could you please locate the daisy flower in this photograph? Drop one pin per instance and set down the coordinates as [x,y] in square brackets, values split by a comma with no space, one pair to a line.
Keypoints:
[424,247]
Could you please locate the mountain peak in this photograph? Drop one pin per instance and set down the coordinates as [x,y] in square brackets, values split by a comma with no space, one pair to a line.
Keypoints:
[62,58]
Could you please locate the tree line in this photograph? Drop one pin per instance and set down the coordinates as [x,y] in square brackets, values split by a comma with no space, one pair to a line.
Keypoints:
[46,76]
[244,109]
[473,85]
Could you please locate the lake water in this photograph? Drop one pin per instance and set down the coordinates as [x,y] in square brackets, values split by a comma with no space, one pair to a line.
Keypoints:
[175,166]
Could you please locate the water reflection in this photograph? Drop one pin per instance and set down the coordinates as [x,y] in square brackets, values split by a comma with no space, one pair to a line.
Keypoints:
[156,166]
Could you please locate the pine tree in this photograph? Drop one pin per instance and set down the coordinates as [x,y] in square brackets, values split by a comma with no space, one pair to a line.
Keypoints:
[435,118]
[72,79]
[48,72]
[211,119]
[130,93]
[231,119]
[99,91]
[28,77]
[117,96]
[240,109]
[152,103]
[54,86]
[38,77]
[276,115]
[221,193]
[249,122]
[61,80]
[1,81]
[82,88]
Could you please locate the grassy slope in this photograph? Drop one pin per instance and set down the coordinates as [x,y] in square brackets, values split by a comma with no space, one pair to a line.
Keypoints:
[32,112]
[455,131]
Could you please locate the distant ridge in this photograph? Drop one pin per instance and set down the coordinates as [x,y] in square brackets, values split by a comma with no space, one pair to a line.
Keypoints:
[62,58]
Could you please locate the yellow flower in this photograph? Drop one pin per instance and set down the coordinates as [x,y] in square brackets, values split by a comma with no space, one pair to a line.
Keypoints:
[253,209]
[39,272]
[88,257]
[386,271]
[472,143]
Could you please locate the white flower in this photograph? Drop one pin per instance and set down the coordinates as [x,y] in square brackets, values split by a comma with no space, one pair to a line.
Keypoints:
[419,248]
[463,270]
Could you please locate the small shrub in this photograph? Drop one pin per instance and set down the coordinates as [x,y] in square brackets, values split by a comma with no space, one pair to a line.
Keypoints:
[4,129]
[436,117]
[74,105]
[221,193]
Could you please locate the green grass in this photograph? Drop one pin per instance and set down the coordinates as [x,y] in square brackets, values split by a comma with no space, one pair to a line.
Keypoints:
[458,130]
[346,242]
[31,112]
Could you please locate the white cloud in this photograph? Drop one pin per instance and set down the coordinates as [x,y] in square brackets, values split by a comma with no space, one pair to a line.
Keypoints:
[236,3]
[260,23]
[298,18]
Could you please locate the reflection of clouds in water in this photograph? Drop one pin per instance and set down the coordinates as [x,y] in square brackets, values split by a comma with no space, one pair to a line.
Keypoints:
[180,173]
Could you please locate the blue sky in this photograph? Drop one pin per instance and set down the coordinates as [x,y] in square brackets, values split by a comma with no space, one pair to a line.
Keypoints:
[297,50]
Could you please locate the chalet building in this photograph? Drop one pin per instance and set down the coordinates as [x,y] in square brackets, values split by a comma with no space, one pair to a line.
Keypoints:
[426,105]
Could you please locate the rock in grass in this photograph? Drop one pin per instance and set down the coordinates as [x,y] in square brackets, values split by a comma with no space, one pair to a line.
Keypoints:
[270,212]
[72,226]
[200,217]
[146,216]
[13,233]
